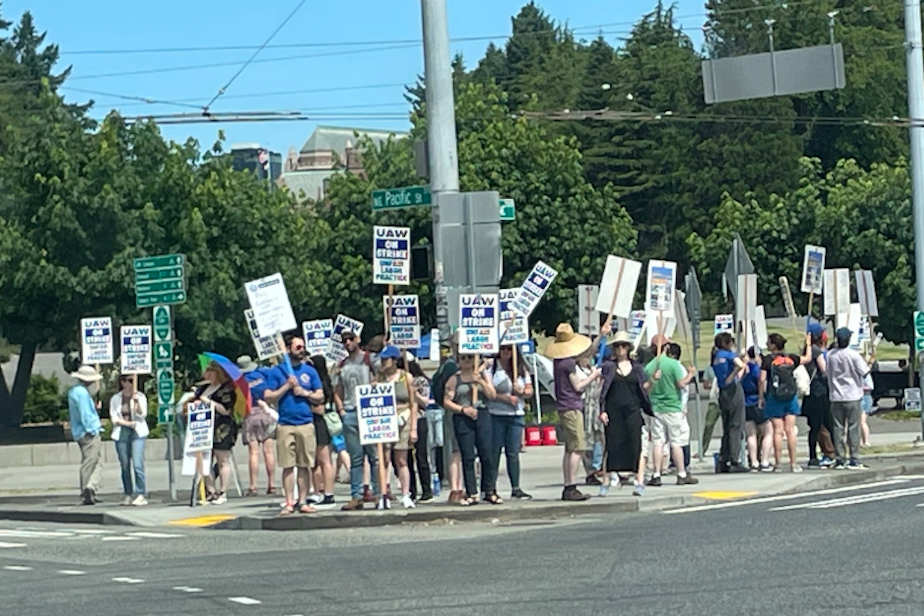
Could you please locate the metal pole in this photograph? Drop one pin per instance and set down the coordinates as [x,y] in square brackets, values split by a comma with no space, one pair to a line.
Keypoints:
[770,23]
[536,389]
[171,479]
[915,65]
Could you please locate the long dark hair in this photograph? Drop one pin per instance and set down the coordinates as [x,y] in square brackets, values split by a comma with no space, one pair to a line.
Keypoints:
[521,367]
[413,368]
[723,342]
[320,364]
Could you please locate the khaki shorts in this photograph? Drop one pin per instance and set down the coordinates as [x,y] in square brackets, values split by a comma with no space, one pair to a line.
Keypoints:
[295,446]
[670,427]
[572,428]
[404,435]
[646,436]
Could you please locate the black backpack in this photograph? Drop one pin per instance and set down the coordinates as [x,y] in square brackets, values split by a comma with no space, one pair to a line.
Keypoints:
[782,378]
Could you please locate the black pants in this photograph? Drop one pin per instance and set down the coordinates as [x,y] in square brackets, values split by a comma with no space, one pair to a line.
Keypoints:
[476,434]
[417,458]
[731,407]
[817,411]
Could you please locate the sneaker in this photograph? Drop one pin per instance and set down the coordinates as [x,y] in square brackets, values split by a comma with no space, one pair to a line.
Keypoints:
[690,480]
[141,501]
[814,463]
[368,497]
[826,462]
[328,500]
[655,482]
[315,499]
[639,490]
[571,493]
[604,489]
[856,465]
[407,502]
[593,480]
[795,469]
[220,499]
[383,504]
[839,466]
[520,495]
[355,504]
[127,501]
[766,468]
[737,468]
[427,497]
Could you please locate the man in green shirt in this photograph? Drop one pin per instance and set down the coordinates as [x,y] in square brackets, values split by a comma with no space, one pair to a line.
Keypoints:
[666,380]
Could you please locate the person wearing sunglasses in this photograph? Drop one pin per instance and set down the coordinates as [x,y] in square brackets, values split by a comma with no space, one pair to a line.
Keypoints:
[128,411]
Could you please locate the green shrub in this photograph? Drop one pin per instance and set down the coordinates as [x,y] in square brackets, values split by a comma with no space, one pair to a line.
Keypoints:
[44,401]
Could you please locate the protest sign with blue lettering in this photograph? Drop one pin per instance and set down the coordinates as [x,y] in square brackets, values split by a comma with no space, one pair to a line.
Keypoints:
[266,346]
[662,281]
[377,414]
[199,428]
[391,255]
[534,287]
[136,349]
[813,267]
[404,319]
[724,324]
[96,341]
[317,336]
[336,352]
[478,327]
[515,329]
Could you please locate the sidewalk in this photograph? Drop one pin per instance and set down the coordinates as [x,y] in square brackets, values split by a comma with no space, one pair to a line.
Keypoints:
[47,494]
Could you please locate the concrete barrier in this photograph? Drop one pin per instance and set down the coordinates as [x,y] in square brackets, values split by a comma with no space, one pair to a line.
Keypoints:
[66,454]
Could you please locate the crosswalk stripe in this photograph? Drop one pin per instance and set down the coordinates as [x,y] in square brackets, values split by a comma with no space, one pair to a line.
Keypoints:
[127,580]
[121,538]
[854,500]
[25,534]
[71,572]
[147,535]
[187,589]
[245,600]
[17,568]
[784,497]
[4,544]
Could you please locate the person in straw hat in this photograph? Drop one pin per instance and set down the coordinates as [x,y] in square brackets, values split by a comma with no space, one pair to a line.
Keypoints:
[86,428]
[569,403]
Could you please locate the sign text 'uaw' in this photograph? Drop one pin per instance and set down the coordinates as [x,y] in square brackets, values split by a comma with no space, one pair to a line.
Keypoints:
[478,324]
[391,255]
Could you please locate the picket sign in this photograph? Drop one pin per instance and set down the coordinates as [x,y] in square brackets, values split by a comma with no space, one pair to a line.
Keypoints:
[813,267]
[617,288]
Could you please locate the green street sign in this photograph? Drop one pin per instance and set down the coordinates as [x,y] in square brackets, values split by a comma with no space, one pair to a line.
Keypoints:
[919,324]
[919,345]
[165,386]
[149,263]
[146,288]
[508,210]
[163,354]
[169,297]
[394,198]
[167,273]
[164,414]
[162,323]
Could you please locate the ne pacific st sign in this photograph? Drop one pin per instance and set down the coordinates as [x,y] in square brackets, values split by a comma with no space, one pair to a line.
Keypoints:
[414,196]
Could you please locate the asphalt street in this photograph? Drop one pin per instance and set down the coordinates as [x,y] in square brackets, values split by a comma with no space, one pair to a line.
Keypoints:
[852,550]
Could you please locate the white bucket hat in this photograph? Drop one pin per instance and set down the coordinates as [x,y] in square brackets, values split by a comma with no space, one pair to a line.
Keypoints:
[87,374]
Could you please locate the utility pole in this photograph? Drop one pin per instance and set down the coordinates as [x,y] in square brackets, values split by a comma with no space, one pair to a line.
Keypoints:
[441,136]
[915,66]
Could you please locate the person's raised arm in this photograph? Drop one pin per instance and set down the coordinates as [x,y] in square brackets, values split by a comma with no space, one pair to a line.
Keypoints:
[115,412]
[691,374]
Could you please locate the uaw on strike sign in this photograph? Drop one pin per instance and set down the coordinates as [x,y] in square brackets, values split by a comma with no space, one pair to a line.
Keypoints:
[391,255]
[478,327]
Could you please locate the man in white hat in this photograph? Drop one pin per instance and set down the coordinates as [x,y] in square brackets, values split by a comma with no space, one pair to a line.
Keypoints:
[568,401]
[86,428]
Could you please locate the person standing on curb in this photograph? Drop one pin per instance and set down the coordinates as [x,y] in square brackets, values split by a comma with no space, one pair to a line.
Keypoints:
[355,370]
[259,429]
[729,368]
[570,405]
[447,370]
[507,413]
[816,406]
[128,411]
[86,428]
[295,443]
[406,406]
[847,371]
[778,397]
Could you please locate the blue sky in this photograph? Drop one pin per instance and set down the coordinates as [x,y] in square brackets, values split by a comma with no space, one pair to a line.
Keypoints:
[358,82]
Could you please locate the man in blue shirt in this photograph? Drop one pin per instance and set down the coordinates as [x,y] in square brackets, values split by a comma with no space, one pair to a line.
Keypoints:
[294,386]
[86,428]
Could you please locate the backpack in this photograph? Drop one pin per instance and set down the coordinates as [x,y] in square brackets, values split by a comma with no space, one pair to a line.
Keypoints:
[782,378]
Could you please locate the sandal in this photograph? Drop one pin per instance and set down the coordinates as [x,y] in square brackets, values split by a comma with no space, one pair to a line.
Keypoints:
[494,499]
[307,509]
[470,501]
[270,491]
[287,510]
[251,491]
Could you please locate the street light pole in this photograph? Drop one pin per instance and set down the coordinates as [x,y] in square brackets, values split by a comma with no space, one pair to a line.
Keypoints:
[915,67]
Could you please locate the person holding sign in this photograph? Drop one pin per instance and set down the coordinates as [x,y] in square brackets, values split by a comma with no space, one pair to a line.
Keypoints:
[778,396]
[219,391]
[507,413]
[729,368]
[466,396]
[128,411]
[406,403]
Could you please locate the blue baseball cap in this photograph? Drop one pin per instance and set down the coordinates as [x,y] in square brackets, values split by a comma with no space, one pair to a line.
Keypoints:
[390,352]
[843,333]
[816,329]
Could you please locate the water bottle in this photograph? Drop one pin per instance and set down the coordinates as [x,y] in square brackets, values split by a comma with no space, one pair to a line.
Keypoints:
[437,486]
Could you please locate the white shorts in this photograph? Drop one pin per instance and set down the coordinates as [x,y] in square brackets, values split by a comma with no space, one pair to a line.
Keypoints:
[646,436]
[671,427]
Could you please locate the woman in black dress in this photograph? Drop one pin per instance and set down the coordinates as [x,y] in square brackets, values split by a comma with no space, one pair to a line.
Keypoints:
[219,391]
[623,400]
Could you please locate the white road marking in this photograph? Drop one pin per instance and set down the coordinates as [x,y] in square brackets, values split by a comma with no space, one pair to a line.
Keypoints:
[187,589]
[127,580]
[4,544]
[89,531]
[119,538]
[854,500]
[784,497]
[71,572]
[17,568]
[245,600]
[147,535]
[25,534]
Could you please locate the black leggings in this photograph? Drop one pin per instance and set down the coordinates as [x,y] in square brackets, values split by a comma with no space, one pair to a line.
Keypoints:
[418,454]
[817,411]
[476,434]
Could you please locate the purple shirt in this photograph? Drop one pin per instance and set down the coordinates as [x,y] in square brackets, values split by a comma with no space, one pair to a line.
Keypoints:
[566,397]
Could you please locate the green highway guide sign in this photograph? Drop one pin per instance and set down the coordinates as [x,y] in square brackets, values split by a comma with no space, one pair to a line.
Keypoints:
[173,297]
[508,210]
[395,198]
[149,263]
[160,280]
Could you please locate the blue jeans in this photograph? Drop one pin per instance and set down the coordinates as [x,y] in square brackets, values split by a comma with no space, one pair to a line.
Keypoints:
[508,435]
[597,455]
[130,449]
[356,451]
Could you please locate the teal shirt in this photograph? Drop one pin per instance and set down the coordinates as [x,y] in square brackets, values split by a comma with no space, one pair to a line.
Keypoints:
[82,413]
[665,393]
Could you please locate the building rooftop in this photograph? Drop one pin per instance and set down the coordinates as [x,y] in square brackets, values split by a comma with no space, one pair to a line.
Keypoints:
[337,138]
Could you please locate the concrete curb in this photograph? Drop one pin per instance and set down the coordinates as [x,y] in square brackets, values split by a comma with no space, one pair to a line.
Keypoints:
[100,518]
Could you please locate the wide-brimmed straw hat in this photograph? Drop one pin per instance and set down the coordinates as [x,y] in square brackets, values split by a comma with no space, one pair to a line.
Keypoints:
[567,343]
[620,338]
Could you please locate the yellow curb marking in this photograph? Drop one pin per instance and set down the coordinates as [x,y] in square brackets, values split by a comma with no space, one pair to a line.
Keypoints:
[205,520]
[724,495]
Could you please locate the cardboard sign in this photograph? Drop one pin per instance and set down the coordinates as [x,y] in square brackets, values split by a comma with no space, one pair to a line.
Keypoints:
[756,327]
[668,325]
[852,321]
[787,297]
[336,352]
[588,319]
[377,413]
[265,346]
[405,320]
[746,304]
[813,267]
[724,324]
[662,281]
[317,336]
[478,326]
[200,423]
[866,292]
[96,341]
[270,304]
[534,287]
[617,289]
[636,326]
[681,318]
[136,350]
[864,334]
[391,255]
[913,399]
[514,329]
[837,292]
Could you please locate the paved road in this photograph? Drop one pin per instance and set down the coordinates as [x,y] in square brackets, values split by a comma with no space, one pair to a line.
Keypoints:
[846,550]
